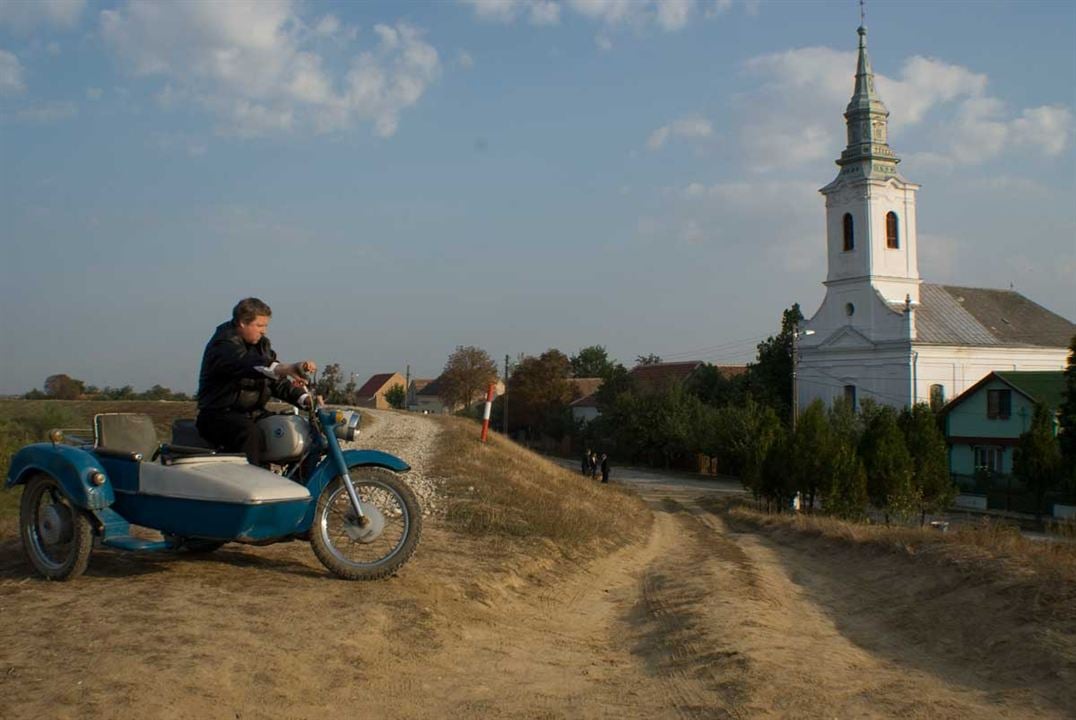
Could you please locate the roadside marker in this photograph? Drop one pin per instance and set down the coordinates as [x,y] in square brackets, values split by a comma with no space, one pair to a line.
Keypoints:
[485,414]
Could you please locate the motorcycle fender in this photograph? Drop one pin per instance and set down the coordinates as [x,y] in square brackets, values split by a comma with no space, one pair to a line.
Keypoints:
[72,468]
[326,471]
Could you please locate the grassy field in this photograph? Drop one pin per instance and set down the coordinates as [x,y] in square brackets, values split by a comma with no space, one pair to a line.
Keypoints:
[503,490]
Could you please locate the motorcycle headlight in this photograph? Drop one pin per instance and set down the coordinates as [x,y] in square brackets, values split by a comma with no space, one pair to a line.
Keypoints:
[347,425]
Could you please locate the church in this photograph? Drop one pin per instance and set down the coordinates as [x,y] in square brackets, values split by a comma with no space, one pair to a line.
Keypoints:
[882,333]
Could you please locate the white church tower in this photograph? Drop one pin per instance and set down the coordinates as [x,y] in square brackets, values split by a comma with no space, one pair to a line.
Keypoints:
[881,332]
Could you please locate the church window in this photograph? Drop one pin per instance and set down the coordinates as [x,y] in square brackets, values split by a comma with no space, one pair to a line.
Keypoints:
[849,235]
[849,309]
[892,231]
[937,397]
[850,396]
[998,404]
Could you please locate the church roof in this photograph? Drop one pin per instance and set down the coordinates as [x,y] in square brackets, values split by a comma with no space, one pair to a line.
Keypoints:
[951,315]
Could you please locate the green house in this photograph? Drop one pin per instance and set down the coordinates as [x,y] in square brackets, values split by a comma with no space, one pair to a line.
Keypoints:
[984,423]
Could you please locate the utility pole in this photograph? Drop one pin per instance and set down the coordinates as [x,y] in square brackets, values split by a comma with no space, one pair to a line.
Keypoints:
[796,332]
[504,399]
[407,388]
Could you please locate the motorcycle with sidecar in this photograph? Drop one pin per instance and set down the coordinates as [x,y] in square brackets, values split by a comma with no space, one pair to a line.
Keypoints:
[360,516]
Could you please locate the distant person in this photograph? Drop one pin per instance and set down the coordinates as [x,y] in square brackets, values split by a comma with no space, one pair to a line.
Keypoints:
[240,372]
[586,462]
[605,468]
[593,465]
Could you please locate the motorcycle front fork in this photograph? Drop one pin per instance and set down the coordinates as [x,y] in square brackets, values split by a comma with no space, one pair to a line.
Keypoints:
[341,465]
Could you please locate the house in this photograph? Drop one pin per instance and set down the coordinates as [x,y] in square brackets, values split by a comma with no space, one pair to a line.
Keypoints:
[984,423]
[427,398]
[417,385]
[883,333]
[372,393]
[584,407]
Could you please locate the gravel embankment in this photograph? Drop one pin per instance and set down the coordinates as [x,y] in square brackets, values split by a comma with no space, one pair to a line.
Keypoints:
[410,437]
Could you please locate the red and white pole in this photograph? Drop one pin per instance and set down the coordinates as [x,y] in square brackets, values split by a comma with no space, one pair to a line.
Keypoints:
[489,408]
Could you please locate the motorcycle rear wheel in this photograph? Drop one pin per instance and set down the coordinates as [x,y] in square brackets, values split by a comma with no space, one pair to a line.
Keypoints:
[379,549]
[56,535]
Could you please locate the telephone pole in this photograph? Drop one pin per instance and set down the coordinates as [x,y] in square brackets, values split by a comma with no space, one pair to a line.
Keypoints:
[504,398]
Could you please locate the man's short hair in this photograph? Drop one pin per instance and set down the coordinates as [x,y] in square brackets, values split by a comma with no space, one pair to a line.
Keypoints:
[249,308]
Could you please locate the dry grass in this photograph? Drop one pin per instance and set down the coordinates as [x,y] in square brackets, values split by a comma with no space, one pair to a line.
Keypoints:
[990,549]
[503,490]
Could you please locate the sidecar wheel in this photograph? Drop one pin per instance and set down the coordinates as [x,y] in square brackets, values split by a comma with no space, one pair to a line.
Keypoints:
[388,540]
[56,536]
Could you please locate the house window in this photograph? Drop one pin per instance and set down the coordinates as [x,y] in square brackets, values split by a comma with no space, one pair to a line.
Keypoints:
[937,397]
[849,234]
[989,458]
[850,396]
[998,404]
[892,231]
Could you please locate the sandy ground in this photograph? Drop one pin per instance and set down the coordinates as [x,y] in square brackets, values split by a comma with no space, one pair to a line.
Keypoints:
[697,621]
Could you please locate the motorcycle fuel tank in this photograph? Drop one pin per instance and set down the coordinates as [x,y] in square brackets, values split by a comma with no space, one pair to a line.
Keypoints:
[287,437]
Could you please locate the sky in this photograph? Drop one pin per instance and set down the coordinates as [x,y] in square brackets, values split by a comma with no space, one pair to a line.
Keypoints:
[397,179]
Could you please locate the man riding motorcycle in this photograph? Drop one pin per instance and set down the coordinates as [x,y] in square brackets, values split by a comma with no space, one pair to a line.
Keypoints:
[239,374]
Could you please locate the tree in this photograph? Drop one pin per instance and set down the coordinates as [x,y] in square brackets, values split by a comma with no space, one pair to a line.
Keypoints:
[540,394]
[776,482]
[328,384]
[650,359]
[712,387]
[749,431]
[63,387]
[769,378]
[844,483]
[592,361]
[1066,434]
[396,396]
[888,464]
[811,451]
[930,459]
[1037,460]
[467,373]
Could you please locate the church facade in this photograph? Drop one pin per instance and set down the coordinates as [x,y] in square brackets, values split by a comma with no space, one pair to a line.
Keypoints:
[881,332]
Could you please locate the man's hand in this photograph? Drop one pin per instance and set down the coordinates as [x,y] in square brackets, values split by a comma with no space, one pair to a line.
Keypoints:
[295,371]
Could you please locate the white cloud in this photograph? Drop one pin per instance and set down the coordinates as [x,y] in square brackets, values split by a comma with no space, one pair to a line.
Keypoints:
[250,65]
[11,82]
[674,14]
[789,118]
[692,128]
[46,112]
[465,60]
[94,93]
[26,14]
[669,15]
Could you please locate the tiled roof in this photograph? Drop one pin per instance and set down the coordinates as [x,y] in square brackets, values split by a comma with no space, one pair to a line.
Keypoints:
[584,386]
[373,385]
[951,315]
[731,371]
[433,388]
[655,375]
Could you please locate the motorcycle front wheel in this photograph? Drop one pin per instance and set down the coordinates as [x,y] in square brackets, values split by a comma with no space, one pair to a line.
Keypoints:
[379,544]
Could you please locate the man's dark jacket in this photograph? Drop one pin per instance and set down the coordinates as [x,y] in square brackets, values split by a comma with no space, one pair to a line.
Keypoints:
[229,381]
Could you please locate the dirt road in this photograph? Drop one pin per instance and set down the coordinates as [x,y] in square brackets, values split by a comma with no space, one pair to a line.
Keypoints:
[698,621]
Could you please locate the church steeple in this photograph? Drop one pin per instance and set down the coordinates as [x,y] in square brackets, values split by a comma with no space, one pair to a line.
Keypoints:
[868,153]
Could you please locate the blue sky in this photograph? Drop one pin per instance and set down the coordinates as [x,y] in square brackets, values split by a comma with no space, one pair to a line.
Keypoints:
[397,179]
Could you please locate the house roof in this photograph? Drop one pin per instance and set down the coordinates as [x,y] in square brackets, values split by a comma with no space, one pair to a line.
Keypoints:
[375,384]
[419,383]
[433,387]
[1045,386]
[731,371]
[952,315]
[660,373]
[581,387]
[589,400]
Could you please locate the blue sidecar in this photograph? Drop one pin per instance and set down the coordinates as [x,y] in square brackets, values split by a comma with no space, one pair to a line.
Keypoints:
[362,520]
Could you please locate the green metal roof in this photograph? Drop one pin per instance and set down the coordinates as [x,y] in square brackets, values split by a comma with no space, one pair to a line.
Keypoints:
[1045,386]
